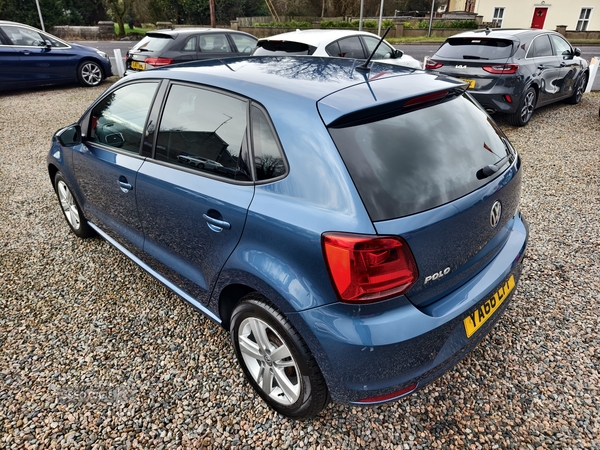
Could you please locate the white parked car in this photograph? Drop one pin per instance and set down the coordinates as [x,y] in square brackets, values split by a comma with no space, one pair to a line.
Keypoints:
[336,43]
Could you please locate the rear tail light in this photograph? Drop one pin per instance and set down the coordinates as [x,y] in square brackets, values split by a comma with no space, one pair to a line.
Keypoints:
[431,64]
[427,98]
[394,395]
[502,69]
[158,62]
[366,269]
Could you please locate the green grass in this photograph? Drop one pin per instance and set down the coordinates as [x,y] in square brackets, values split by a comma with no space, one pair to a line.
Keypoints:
[130,30]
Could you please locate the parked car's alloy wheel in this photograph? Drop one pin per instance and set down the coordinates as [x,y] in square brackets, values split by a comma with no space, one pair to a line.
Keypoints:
[71,209]
[526,106]
[89,74]
[276,361]
[579,90]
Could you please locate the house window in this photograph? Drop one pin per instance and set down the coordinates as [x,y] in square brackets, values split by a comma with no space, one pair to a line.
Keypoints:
[498,16]
[584,19]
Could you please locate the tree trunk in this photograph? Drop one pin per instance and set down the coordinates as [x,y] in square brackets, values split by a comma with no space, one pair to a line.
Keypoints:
[121,25]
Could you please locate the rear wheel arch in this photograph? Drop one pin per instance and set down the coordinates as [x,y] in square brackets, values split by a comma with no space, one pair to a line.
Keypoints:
[229,298]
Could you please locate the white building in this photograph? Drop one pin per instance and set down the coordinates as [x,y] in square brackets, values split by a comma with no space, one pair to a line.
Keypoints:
[577,15]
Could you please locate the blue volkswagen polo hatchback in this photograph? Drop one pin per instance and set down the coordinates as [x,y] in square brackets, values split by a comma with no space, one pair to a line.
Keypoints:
[356,231]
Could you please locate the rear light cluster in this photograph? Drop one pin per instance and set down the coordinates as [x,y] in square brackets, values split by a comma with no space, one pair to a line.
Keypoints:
[431,64]
[159,62]
[366,269]
[502,69]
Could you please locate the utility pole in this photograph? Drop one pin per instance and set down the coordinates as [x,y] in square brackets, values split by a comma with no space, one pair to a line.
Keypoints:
[213,22]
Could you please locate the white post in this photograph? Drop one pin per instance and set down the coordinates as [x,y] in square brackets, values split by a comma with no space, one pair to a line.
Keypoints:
[119,62]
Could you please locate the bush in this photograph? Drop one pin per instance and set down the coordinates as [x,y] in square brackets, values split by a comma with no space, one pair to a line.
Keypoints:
[468,24]
[290,24]
[355,23]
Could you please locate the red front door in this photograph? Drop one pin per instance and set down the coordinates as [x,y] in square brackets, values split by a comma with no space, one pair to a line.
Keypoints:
[539,16]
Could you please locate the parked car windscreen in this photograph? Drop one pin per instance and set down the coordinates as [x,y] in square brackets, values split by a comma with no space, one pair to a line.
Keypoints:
[476,48]
[153,43]
[286,48]
[422,159]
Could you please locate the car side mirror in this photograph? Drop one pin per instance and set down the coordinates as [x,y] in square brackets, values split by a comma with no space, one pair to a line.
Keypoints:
[398,53]
[69,136]
[576,51]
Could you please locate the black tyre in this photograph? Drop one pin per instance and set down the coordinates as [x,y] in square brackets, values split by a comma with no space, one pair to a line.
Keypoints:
[276,360]
[579,90]
[89,73]
[71,209]
[525,110]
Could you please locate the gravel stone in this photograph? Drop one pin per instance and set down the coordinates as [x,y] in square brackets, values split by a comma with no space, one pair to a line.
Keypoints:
[95,353]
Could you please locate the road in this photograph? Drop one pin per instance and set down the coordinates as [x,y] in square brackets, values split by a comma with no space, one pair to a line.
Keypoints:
[418,51]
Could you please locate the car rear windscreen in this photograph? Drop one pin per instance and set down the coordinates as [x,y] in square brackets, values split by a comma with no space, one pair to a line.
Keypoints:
[153,43]
[422,159]
[475,48]
[287,48]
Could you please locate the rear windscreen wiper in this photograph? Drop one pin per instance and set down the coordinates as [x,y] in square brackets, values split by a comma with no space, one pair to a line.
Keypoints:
[491,169]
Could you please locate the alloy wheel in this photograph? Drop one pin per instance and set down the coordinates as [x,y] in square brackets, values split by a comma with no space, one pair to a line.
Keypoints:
[91,74]
[269,361]
[528,106]
[67,202]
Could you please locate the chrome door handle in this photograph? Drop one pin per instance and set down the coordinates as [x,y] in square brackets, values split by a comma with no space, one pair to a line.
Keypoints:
[215,224]
[124,185]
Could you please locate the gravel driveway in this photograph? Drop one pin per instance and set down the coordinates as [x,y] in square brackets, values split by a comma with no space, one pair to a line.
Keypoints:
[97,354]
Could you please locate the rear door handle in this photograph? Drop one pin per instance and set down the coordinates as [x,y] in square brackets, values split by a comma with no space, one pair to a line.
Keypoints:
[125,186]
[215,224]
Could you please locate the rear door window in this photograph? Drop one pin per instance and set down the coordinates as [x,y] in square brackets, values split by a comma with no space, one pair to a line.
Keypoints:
[422,159]
[214,43]
[540,47]
[204,131]
[475,48]
[351,47]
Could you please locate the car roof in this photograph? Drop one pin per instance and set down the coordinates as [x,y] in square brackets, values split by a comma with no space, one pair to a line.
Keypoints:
[185,31]
[277,82]
[504,33]
[315,37]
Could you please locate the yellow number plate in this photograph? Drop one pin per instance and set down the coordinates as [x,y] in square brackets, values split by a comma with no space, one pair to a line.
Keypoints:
[471,83]
[478,317]
[138,65]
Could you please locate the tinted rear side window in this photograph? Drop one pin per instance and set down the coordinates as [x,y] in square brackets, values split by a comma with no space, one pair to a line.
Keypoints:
[475,48]
[417,161]
[282,48]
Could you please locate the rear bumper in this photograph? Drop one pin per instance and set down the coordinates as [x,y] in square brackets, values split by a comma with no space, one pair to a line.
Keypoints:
[379,349]
[495,102]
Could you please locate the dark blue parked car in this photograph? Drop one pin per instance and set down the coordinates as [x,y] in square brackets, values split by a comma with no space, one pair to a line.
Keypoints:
[358,232]
[30,57]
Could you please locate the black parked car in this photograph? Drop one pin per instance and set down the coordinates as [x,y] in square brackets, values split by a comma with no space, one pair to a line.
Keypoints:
[166,47]
[514,71]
